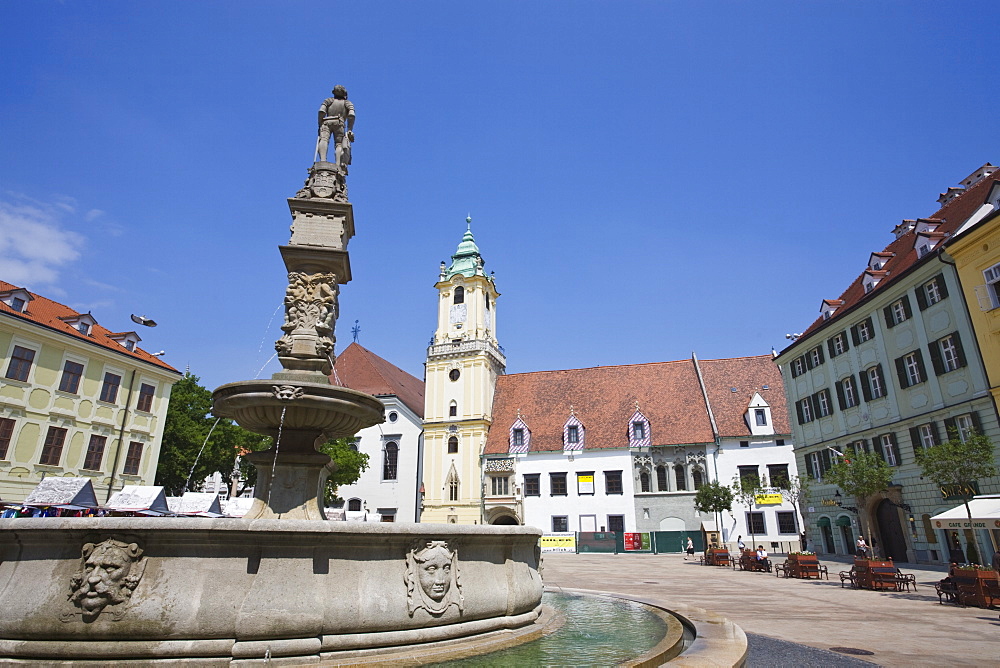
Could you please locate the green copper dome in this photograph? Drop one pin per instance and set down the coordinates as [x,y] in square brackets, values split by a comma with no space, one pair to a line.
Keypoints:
[466,260]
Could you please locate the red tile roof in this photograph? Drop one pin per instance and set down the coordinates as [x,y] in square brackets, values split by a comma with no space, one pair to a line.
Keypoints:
[604,398]
[951,215]
[51,314]
[360,369]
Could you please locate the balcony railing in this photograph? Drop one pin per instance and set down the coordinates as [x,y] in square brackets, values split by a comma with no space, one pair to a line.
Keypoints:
[463,347]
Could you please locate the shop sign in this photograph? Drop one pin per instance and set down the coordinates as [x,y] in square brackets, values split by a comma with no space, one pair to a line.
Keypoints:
[585,484]
[966,524]
[829,502]
[636,541]
[563,541]
[959,492]
[767,499]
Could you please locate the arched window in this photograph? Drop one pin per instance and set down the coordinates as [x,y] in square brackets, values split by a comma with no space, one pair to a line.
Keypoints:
[644,481]
[453,445]
[389,468]
[453,488]
[697,477]
[453,409]
[661,478]
[354,505]
[459,295]
[680,478]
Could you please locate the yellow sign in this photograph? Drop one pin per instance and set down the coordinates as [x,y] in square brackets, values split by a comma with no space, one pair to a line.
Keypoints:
[767,499]
[585,478]
[559,542]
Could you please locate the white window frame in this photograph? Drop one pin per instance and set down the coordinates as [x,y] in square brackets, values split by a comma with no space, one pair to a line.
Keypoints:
[898,312]
[798,366]
[992,277]
[823,403]
[932,291]
[814,356]
[889,449]
[876,383]
[864,332]
[839,345]
[965,426]
[760,417]
[927,437]
[949,353]
[912,369]
[850,392]
[812,465]
[806,411]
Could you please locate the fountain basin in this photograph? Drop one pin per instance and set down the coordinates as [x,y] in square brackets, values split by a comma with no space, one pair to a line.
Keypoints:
[224,590]
[309,407]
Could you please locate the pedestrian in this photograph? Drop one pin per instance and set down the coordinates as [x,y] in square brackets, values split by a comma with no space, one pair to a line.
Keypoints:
[690,549]
[740,544]
[862,547]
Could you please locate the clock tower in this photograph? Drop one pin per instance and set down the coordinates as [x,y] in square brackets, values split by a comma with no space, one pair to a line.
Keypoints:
[463,362]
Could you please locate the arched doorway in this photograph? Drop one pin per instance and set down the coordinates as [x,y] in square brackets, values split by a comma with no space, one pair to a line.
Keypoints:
[504,520]
[890,530]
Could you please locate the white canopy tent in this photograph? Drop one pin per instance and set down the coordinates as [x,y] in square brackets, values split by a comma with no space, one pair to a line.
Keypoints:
[65,493]
[985,515]
[195,504]
[145,500]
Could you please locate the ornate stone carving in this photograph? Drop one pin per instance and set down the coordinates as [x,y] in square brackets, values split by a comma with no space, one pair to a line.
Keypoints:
[432,578]
[325,181]
[286,392]
[109,573]
[310,312]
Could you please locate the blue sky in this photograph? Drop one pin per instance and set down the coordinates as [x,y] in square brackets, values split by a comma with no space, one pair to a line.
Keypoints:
[646,179]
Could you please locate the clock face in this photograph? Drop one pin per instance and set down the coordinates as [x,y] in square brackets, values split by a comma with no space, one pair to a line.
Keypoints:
[458,313]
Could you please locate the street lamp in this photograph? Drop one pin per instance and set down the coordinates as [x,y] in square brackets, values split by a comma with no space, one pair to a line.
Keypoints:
[840,503]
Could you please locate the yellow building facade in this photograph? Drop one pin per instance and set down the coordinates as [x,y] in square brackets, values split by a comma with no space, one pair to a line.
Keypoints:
[463,363]
[976,251]
[76,399]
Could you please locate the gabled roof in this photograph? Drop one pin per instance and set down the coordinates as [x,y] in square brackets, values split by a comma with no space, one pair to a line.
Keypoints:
[360,369]
[604,399]
[905,256]
[55,316]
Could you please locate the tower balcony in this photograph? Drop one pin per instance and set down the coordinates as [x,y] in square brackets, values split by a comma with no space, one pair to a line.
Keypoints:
[466,347]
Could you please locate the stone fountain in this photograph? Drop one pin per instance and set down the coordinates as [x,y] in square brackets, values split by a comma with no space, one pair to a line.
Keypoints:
[281,585]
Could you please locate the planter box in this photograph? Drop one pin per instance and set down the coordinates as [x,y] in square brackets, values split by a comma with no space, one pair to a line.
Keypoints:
[875,574]
[977,587]
[803,566]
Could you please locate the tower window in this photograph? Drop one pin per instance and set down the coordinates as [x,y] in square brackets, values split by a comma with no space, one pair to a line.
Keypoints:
[453,410]
[453,445]
[454,374]
[459,295]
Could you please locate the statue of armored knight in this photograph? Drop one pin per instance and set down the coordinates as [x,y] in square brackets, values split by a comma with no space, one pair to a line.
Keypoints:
[336,119]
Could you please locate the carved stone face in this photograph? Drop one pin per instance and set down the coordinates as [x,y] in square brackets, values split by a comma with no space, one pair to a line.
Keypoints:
[106,576]
[434,573]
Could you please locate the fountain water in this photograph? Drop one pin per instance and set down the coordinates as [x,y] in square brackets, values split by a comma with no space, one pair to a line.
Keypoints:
[281,584]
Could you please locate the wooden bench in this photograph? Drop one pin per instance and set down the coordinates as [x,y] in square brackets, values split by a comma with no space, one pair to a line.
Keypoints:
[750,562]
[848,576]
[874,574]
[716,557]
[947,591]
[905,580]
[802,566]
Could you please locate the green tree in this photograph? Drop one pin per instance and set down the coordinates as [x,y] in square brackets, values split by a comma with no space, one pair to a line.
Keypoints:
[196,445]
[713,497]
[746,489]
[348,464]
[862,475]
[958,463]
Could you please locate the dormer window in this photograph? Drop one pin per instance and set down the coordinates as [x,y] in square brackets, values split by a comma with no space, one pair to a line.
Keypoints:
[520,437]
[830,307]
[17,299]
[127,340]
[573,434]
[758,416]
[638,431]
[83,323]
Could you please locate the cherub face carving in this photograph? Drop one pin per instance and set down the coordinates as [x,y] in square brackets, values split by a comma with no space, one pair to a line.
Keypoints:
[432,581]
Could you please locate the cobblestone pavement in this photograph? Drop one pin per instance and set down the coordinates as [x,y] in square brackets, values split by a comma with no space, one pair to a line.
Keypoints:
[899,628]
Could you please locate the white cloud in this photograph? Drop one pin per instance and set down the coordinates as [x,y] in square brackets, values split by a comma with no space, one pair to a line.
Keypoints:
[93,214]
[34,244]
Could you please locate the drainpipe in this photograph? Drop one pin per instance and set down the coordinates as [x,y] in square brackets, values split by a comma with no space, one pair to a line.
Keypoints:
[121,436]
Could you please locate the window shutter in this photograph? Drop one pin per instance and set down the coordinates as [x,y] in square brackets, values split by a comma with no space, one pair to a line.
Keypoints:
[854,335]
[921,296]
[798,411]
[824,460]
[906,307]
[829,346]
[866,390]
[937,433]
[901,376]
[881,377]
[915,439]
[949,427]
[935,350]
[846,345]
[809,360]
[959,350]
[942,286]
[887,312]
[877,444]
[975,422]
[920,365]
[840,394]
[819,349]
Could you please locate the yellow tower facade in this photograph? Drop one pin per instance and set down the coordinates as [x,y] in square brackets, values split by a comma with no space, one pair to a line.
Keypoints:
[463,363]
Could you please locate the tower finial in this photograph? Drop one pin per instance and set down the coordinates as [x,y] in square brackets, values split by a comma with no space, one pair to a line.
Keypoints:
[468,221]
[637,406]
[518,413]
[571,411]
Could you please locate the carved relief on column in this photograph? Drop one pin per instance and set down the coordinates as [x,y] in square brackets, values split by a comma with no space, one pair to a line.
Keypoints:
[311,309]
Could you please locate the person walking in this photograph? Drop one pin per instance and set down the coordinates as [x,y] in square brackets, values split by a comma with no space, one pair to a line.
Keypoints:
[689,549]
[740,544]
